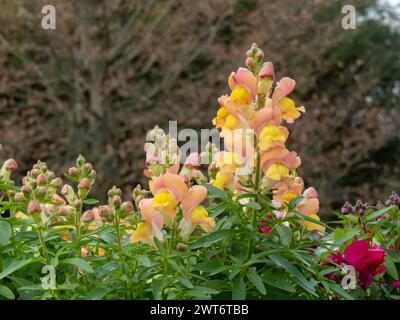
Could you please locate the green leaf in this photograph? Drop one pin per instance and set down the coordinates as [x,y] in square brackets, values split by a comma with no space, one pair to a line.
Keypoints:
[80,263]
[202,292]
[285,234]
[211,238]
[216,210]
[185,281]
[160,247]
[238,289]
[6,293]
[14,266]
[174,265]
[91,201]
[207,266]
[278,280]
[297,275]
[391,267]
[97,294]
[157,286]
[378,213]
[256,280]
[5,232]
[339,290]
[143,260]
[216,192]
[234,272]
[344,237]
[253,205]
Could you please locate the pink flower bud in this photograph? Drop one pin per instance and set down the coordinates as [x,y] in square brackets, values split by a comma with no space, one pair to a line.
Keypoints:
[87,216]
[77,203]
[127,207]
[250,63]
[10,165]
[26,190]
[41,180]
[56,199]
[34,207]
[84,184]
[104,211]
[116,201]
[73,171]
[57,182]
[19,197]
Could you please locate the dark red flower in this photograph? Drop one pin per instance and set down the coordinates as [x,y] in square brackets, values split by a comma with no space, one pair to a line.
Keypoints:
[264,227]
[336,258]
[367,262]
[396,284]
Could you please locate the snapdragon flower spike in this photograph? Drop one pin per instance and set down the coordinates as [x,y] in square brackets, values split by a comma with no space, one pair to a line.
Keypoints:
[252,104]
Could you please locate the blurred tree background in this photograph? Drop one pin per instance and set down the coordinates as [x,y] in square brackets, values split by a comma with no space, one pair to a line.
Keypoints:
[113,69]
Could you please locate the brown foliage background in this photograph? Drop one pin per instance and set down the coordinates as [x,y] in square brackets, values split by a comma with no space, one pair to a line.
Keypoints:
[113,69]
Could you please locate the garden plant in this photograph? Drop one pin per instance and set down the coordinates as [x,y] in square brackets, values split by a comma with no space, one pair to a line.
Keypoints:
[226,223]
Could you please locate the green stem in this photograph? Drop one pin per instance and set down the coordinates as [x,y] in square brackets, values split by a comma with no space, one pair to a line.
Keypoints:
[253,211]
[43,245]
[78,231]
[173,237]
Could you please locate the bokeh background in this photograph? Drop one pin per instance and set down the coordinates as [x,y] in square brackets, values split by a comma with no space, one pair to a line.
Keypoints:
[113,69]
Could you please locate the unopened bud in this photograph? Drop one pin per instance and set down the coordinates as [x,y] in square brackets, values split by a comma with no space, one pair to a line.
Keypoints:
[250,63]
[42,191]
[116,201]
[77,203]
[10,165]
[359,208]
[127,207]
[73,171]
[33,184]
[260,55]
[181,247]
[84,183]
[104,211]
[66,189]
[34,173]
[80,161]
[138,199]
[57,182]
[41,180]
[19,197]
[347,208]
[56,199]
[84,187]
[63,210]
[114,191]
[87,216]
[88,166]
[34,207]
[26,190]
[50,175]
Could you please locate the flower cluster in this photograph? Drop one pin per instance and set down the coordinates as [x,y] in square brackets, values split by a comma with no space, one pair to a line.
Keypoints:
[252,120]
[174,193]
